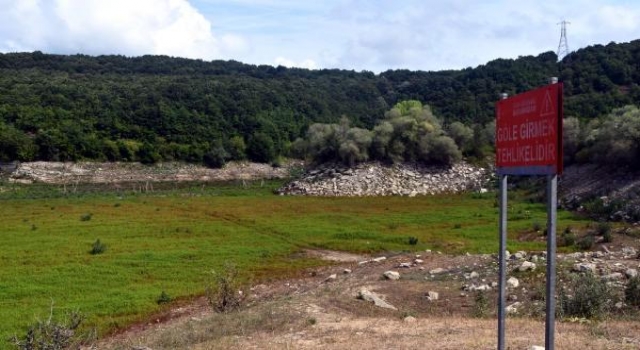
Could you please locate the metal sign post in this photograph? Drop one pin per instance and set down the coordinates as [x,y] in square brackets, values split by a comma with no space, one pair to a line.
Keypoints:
[529,142]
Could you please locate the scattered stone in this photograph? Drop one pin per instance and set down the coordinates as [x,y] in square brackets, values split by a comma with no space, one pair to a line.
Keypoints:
[418,261]
[629,252]
[370,296]
[474,274]
[437,271]
[409,319]
[612,276]
[379,259]
[513,282]
[391,275]
[585,267]
[527,266]
[513,308]
[363,262]
[432,296]
[346,271]
[331,277]
[631,273]
[512,297]
[405,265]
[536,347]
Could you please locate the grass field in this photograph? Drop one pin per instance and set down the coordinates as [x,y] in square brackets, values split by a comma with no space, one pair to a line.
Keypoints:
[171,239]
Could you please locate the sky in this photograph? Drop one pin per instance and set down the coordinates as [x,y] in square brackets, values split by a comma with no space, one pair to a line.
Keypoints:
[371,35]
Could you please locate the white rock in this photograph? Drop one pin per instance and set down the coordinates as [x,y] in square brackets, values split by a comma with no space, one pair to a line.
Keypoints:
[331,277]
[513,282]
[409,319]
[474,274]
[367,295]
[437,271]
[405,265]
[585,267]
[536,347]
[432,296]
[527,266]
[346,271]
[612,276]
[379,259]
[631,273]
[418,261]
[513,308]
[391,275]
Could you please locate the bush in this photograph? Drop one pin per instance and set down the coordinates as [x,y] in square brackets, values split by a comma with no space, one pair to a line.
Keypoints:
[164,298]
[481,305]
[589,298]
[603,228]
[86,217]
[97,247]
[224,290]
[536,226]
[632,291]
[567,239]
[413,240]
[51,334]
[586,242]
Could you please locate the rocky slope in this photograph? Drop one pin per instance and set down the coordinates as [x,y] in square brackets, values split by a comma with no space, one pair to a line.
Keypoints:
[375,179]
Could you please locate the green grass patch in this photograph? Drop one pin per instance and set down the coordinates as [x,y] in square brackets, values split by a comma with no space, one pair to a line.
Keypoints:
[165,243]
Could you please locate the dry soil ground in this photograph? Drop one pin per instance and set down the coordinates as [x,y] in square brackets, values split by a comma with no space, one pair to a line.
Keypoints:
[320,312]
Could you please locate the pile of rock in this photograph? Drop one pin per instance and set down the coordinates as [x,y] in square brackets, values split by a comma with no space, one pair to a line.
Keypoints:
[375,179]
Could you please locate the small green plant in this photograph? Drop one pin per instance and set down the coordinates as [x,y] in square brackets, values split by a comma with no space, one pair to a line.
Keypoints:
[457,226]
[603,227]
[97,247]
[586,242]
[86,217]
[164,298]
[588,296]
[117,205]
[413,240]
[632,291]
[536,226]
[567,239]
[51,334]
[480,305]
[312,321]
[224,290]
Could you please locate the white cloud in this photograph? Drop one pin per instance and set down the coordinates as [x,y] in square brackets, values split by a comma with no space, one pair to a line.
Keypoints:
[167,27]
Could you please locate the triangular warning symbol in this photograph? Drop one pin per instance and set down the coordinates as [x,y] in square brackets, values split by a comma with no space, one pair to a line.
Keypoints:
[547,105]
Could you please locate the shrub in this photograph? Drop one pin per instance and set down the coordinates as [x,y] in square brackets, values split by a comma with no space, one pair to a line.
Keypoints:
[603,228]
[586,242]
[163,298]
[536,226]
[632,291]
[224,290]
[98,247]
[589,298]
[567,239]
[86,217]
[481,305]
[51,334]
[413,240]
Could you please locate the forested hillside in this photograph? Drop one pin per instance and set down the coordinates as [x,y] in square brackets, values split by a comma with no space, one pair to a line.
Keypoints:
[152,108]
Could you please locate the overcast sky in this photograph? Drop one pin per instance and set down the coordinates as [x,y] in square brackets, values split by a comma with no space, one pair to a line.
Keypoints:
[373,35]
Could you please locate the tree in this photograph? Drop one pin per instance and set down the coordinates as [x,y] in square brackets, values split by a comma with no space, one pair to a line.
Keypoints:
[261,148]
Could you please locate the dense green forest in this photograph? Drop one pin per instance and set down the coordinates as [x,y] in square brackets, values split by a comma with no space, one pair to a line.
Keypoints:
[153,108]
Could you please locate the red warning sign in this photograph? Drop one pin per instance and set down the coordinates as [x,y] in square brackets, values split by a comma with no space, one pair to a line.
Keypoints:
[529,132]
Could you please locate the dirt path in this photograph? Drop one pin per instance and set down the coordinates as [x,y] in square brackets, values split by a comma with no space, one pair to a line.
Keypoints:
[322,311]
